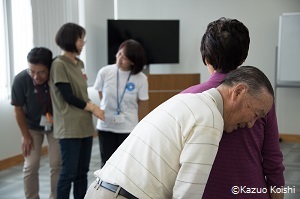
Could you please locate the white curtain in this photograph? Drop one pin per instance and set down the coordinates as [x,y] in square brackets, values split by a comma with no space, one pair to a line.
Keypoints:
[3,55]
[22,33]
[25,24]
[16,39]
[48,17]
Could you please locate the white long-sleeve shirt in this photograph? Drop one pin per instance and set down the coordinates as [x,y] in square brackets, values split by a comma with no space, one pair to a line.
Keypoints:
[171,151]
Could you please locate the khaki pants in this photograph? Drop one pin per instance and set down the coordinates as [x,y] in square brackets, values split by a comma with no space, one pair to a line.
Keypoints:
[32,164]
[100,192]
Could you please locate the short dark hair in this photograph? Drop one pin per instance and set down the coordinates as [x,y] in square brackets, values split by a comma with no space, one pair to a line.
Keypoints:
[225,44]
[254,78]
[40,55]
[135,52]
[67,36]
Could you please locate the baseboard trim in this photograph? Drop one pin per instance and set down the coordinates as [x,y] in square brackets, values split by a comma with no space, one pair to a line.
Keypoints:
[18,159]
[290,137]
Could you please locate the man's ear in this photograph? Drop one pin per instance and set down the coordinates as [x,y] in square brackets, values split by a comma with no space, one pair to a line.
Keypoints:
[239,91]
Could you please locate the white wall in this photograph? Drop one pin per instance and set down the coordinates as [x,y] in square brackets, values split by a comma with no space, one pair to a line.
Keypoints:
[261,17]
[262,20]
[9,131]
[96,14]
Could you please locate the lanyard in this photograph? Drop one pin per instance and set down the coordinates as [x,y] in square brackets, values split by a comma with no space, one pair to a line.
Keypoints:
[45,106]
[119,102]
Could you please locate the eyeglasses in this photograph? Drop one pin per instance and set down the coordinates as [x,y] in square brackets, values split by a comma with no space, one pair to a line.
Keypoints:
[39,73]
[252,109]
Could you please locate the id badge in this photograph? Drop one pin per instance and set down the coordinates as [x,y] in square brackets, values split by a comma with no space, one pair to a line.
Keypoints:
[84,73]
[118,119]
[45,123]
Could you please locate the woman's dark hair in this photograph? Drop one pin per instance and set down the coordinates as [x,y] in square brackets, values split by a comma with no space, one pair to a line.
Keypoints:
[67,36]
[225,44]
[40,55]
[135,52]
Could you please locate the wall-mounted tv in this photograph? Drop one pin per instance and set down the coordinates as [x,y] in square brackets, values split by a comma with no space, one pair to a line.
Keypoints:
[160,38]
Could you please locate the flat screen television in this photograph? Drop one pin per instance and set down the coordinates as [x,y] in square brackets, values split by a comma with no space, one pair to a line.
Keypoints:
[160,38]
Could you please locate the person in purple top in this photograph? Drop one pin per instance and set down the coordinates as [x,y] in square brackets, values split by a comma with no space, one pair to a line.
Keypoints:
[249,161]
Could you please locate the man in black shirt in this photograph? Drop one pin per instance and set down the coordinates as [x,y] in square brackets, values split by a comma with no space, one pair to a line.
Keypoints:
[33,111]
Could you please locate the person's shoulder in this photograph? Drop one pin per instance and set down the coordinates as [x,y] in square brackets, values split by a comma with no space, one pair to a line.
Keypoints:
[57,60]
[142,75]
[22,75]
[198,95]
[108,68]
[22,79]
[111,66]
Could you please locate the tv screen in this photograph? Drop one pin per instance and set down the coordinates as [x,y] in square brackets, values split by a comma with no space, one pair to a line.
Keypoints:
[160,38]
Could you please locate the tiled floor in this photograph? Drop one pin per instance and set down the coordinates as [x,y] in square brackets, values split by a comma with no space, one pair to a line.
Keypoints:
[11,183]
[291,155]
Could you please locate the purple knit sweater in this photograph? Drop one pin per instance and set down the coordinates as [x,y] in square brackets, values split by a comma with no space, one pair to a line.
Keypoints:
[247,158]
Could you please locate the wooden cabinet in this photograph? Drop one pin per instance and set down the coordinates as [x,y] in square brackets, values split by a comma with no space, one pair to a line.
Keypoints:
[164,86]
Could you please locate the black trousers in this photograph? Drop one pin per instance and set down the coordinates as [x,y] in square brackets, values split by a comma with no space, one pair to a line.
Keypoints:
[108,143]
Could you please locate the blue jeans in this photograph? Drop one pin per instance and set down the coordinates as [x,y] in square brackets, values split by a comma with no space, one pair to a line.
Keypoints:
[76,156]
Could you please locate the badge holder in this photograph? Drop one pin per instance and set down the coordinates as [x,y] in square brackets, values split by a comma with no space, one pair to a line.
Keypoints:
[46,122]
[118,118]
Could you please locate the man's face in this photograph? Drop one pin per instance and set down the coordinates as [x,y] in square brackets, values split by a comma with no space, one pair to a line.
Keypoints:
[249,110]
[38,72]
